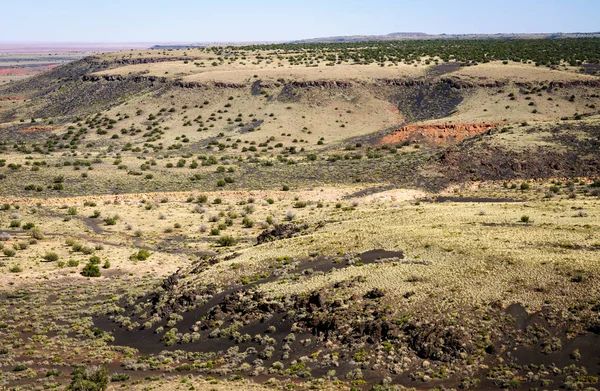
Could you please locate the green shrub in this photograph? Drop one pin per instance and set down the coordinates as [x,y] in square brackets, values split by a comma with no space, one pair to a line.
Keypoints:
[35,233]
[53,373]
[247,222]
[91,270]
[51,256]
[89,379]
[202,199]
[361,356]
[141,255]
[15,269]
[111,220]
[117,377]
[226,241]
[184,368]
[525,219]
[73,263]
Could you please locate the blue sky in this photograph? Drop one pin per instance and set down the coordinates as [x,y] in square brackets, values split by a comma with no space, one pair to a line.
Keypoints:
[262,20]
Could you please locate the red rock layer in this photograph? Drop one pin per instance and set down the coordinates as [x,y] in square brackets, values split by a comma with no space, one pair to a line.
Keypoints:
[437,134]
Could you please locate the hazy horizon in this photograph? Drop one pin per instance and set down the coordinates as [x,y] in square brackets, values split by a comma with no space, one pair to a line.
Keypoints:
[137,21]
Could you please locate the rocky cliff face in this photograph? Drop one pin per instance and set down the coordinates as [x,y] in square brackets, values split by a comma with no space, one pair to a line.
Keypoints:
[454,83]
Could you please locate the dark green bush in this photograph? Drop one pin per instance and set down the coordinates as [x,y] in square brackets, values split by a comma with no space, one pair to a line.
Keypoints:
[91,270]
[118,377]
[111,220]
[141,255]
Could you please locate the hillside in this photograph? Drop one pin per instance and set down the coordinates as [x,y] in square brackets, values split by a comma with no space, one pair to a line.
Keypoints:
[392,37]
[424,36]
[337,217]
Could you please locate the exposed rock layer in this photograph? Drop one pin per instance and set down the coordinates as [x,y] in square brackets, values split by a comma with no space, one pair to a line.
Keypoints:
[437,134]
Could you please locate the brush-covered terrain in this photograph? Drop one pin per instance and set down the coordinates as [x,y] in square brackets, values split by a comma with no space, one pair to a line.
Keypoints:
[368,216]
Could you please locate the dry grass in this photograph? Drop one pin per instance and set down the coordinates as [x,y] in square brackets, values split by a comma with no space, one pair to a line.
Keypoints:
[184,383]
[470,252]
[520,72]
[541,249]
[248,72]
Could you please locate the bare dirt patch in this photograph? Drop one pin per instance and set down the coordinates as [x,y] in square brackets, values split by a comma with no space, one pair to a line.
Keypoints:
[33,129]
[13,71]
[11,98]
[437,134]
[592,69]
[445,68]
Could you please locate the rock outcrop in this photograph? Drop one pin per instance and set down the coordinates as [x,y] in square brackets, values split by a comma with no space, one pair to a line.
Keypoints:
[321,84]
[282,231]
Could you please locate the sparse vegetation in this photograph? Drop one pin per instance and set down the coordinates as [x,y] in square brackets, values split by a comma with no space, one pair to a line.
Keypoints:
[284,233]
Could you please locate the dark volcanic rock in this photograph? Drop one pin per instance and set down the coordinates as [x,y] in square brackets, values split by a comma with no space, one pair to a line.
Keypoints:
[438,341]
[281,231]
[374,293]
